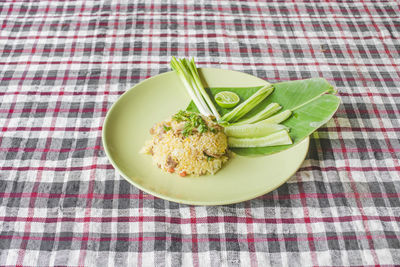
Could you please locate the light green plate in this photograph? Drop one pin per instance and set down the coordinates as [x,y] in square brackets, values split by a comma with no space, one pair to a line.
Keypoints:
[126,129]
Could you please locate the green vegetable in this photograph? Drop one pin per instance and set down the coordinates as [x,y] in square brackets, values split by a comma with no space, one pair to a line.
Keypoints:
[196,76]
[280,117]
[227,99]
[187,72]
[248,105]
[267,112]
[254,130]
[312,102]
[193,121]
[279,138]
[166,128]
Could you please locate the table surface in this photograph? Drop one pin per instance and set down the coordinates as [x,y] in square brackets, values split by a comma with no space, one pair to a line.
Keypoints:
[64,63]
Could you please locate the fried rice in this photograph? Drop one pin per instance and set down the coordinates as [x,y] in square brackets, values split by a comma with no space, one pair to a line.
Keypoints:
[177,148]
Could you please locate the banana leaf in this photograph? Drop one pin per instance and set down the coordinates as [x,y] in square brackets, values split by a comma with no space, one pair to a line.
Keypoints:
[312,102]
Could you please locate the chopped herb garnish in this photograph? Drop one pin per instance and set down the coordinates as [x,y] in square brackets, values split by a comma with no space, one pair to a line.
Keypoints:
[202,128]
[166,128]
[187,129]
[182,115]
[193,121]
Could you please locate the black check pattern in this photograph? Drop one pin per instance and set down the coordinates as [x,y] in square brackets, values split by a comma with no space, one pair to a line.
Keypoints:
[63,64]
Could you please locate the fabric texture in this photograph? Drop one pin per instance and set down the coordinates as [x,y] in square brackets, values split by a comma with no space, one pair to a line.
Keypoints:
[64,63]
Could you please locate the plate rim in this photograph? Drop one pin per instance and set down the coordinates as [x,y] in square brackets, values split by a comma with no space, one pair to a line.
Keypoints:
[184,201]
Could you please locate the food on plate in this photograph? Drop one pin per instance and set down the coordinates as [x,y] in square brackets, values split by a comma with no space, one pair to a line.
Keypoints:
[227,99]
[278,138]
[188,144]
[258,120]
[264,114]
[248,105]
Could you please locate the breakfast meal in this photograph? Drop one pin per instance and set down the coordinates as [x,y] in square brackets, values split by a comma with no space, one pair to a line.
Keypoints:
[219,122]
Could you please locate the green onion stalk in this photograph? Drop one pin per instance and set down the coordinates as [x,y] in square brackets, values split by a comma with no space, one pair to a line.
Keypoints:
[189,75]
[247,105]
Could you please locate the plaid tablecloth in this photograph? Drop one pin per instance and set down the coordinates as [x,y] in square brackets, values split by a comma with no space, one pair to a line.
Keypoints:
[64,63]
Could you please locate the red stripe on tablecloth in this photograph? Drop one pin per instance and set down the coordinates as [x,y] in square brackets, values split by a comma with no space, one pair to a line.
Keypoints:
[201,35]
[73,78]
[168,49]
[44,93]
[54,110]
[357,129]
[31,210]
[357,150]
[194,238]
[250,234]
[369,94]
[307,220]
[59,169]
[86,226]
[109,167]
[278,197]
[138,196]
[202,240]
[71,149]
[125,77]
[210,219]
[353,169]
[61,129]
[140,219]
[102,110]
[266,9]
[208,14]
[46,150]
[200,63]
[390,95]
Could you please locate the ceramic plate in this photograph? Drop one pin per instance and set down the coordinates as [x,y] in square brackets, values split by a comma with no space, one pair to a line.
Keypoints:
[126,129]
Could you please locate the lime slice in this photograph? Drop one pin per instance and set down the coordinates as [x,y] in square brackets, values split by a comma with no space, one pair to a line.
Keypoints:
[227,99]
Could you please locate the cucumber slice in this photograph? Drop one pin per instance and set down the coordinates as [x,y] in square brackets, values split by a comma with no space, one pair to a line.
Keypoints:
[280,117]
[279,138]
[242,109]
[254,130]
[263,114]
